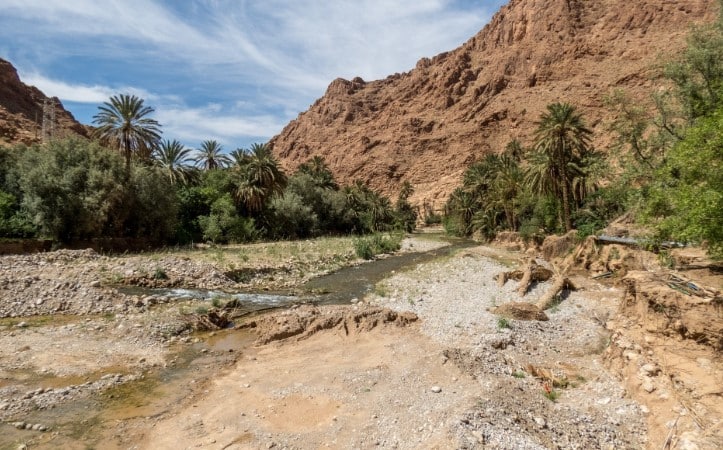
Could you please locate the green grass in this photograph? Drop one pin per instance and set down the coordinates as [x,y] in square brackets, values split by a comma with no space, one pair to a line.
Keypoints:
[159,274]
[519,374]
[551,395]
[503,323]
[367,247]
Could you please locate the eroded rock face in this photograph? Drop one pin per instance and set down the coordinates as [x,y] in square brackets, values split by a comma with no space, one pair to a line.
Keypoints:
[426,125]
[21,111]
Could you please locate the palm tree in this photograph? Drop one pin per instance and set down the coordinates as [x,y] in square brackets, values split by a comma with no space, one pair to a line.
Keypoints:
[260,177]
[406,190]
[174,160]
[317,168]
[239,157]
[210,156]
[506,188]
[123,123]
[561,142]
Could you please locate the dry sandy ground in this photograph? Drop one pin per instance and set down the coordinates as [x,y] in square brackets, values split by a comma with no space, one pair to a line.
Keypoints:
[377,389]
[456,378]
[327,391]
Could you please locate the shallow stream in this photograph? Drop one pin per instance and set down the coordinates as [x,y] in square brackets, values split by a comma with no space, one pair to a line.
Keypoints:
[94,420]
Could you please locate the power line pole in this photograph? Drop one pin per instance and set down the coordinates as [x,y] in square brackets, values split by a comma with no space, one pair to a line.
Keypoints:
[48,120]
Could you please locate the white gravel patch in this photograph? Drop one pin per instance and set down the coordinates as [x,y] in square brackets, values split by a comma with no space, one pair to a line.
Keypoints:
[453,298]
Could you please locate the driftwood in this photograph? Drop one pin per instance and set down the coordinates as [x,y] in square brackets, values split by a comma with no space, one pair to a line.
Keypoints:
[531,273]
[560,282]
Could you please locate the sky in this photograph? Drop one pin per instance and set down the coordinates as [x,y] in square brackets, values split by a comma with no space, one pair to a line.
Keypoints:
[236,71]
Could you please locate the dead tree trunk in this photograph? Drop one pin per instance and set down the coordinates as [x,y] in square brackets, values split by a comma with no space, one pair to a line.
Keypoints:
[548,298]
[526,279]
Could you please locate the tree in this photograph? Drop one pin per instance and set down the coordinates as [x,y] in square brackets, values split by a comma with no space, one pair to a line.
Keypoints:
[561,142]
[686,200]
[317,168]
[210,156]
[124,124]
[174,161]
[73,189]
[406,214]
[260,177]
[506,188]
[698,72]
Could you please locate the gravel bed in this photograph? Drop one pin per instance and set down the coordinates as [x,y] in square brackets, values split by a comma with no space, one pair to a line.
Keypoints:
[453,297]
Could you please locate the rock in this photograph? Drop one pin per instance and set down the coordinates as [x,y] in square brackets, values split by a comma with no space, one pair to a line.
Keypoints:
[501,342]
[648,385]
[650,370]
[95,284]
[436,389]
[436,130]
[541,422]
[22,325]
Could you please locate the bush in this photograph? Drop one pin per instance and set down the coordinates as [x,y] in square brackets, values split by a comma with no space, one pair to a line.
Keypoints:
[14,222]
[368,247]
[364,248]
[153,206]
[224,224]
[292,218]
[74,189]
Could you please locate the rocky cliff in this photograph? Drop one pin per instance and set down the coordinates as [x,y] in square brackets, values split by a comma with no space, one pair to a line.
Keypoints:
[427,125]
[21,111]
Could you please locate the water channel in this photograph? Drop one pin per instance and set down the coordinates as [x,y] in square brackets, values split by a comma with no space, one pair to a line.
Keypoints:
[340,287]
[88,422]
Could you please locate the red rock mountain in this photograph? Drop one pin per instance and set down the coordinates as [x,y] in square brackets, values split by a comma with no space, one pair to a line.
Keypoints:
[427,125]
[21,111]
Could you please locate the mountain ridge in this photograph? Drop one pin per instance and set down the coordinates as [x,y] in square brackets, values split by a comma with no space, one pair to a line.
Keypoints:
[21,111]
[428,124]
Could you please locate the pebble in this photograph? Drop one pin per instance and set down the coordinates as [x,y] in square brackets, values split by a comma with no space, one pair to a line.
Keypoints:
[650,369]
[648,385]
[436,389]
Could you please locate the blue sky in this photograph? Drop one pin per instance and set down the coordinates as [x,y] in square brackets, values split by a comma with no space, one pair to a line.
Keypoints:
[232,70]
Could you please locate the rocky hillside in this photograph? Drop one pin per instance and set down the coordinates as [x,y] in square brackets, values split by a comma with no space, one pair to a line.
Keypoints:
[428,124]
[21,111]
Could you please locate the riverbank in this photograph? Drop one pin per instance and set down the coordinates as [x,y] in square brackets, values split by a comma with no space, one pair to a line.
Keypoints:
[420,361]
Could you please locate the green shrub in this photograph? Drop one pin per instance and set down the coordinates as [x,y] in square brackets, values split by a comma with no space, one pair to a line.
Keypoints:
[292,217]
[368,247]
[159,274]
[224,224]
[364,248]
[74,189]
[503,323]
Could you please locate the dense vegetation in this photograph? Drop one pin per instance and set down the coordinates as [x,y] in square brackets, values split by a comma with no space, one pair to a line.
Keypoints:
[665,168]
[130,183]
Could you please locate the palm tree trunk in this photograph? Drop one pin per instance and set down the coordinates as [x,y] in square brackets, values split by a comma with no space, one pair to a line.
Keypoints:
[566,205]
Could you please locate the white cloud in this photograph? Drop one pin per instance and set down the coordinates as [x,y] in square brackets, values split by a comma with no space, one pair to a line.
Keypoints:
[194,125]
[77,92]
[238,59]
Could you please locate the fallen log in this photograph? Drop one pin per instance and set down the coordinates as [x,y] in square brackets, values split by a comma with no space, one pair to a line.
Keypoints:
[526,279]
[533,273]
[548,298]
[503,277]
